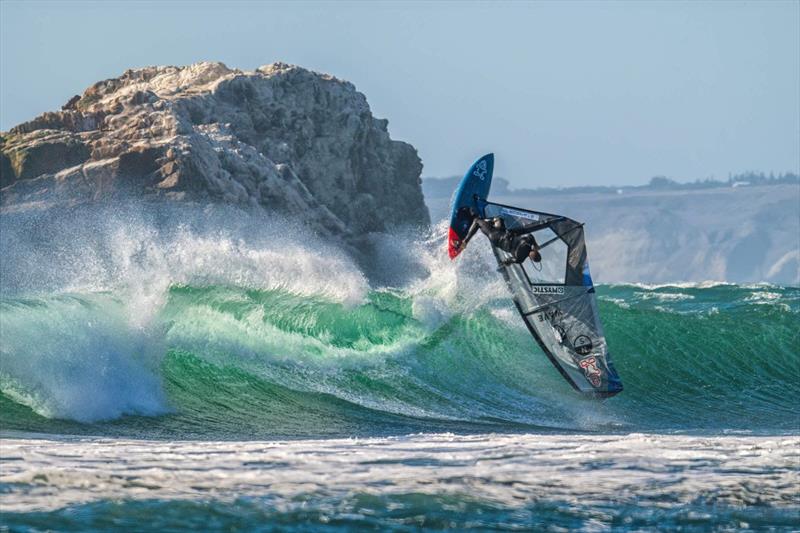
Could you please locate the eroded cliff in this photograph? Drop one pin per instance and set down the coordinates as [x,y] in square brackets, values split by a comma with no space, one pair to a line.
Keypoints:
[295,142]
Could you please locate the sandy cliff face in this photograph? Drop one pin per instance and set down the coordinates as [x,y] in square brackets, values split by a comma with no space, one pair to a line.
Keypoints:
[293,141]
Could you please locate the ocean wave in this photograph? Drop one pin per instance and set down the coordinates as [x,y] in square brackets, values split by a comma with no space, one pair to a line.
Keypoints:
[254,361]
[206,333]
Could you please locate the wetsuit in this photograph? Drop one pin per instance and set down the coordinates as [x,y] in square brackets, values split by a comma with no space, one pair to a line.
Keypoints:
[518,242]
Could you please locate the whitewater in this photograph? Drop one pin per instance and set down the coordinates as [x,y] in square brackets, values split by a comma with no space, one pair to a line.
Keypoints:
[177,367]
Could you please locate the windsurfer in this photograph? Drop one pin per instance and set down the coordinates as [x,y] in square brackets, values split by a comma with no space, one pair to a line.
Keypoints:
[519,242]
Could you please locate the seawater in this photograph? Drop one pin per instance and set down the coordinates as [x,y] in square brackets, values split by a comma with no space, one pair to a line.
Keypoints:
[493,481]
[204,378]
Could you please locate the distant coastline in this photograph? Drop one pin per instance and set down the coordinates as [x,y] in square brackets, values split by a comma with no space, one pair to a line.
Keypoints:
[444,187]
[736,231]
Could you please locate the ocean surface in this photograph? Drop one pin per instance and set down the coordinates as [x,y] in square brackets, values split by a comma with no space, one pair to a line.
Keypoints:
[201,379]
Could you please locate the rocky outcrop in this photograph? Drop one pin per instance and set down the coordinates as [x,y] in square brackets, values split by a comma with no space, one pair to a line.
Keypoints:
[293,141]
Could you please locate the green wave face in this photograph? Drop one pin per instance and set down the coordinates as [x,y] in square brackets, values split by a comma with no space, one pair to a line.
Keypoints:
[223,361]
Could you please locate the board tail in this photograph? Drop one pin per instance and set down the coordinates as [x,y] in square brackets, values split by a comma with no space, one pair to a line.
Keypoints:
[453,243]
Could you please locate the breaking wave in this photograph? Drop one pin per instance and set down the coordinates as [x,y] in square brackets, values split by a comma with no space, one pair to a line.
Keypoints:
[235,326]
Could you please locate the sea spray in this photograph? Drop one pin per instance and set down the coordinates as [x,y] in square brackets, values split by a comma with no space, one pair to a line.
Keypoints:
[144,248]
[83,291]
[80,357]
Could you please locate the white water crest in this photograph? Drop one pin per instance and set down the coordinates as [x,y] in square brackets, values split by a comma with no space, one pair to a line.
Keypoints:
[81,332]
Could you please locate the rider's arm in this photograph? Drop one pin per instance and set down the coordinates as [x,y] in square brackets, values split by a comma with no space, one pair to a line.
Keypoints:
[472,229]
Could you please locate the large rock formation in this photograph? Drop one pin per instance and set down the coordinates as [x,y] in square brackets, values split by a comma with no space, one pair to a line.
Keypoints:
[288,139]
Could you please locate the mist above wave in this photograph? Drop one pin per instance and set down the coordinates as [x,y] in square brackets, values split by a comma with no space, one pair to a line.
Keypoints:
[143,248]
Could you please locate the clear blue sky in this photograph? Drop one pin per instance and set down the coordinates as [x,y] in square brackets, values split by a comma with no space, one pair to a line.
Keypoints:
[564,93]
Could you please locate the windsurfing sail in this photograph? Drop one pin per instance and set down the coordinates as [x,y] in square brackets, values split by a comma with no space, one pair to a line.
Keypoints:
[556,298]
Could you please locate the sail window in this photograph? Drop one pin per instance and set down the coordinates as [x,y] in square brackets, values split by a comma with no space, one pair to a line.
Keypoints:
[552,269]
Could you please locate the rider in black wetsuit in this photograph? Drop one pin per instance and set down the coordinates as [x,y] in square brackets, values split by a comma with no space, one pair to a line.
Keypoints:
[518,242]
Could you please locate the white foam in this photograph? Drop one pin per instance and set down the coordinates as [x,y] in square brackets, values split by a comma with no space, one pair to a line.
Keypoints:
[430,311]
[664,296]
[765,297]
[655,472]
[676,285]
[79,358]
[462,285]
[616,301]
